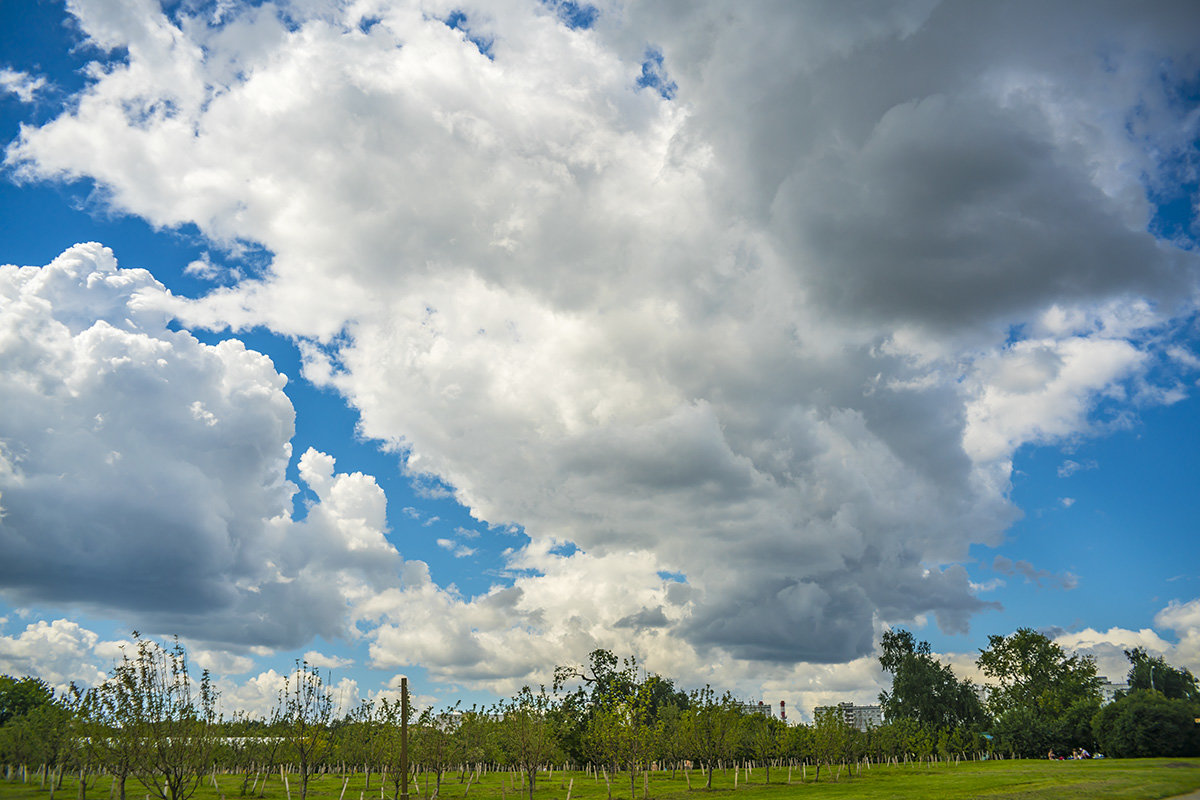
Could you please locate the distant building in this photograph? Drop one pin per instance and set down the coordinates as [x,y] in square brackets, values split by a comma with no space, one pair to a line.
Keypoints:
[860,717]
[1108,690]
[757,708]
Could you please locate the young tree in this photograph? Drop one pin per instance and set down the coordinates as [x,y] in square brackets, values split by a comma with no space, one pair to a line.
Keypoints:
[830,738]
[763,737]
[304,711]
[167,722]
[434,744]
[529,733]
[386,725]
[110,707]
[476,735]
[669,736]
[710,725]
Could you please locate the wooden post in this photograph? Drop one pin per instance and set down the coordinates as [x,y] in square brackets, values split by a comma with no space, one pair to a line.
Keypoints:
[404,738]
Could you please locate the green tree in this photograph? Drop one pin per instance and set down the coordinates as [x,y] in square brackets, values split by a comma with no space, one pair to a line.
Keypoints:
[830,738]
[362,738]
[304,712]
[1040,692]
[602,684]
[1146,672]
[763,737]
[385,727]
[529,735]
[670,736]
[710,726]
[167,719]
[110,706]
[923,688]
[19,696]
[434,744]
[1147,723]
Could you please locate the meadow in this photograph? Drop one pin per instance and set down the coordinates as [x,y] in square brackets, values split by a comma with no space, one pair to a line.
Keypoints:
[1119,779]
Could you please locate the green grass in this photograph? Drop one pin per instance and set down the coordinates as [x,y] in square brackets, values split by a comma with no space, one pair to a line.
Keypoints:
[1134,779]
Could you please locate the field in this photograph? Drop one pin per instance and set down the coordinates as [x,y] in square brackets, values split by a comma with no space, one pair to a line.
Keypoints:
[998,780]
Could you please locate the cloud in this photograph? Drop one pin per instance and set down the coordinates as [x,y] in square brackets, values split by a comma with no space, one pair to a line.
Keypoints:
[320,660]
[1032,574]
[143,472]
[59,652]
[1184,619]
[24,86]
[1070,467]
[779,330]
[1108,647]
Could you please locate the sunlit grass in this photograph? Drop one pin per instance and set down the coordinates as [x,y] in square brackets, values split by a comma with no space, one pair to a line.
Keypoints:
[1132,779]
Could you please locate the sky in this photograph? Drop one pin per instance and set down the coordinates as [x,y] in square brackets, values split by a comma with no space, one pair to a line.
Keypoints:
[456,340]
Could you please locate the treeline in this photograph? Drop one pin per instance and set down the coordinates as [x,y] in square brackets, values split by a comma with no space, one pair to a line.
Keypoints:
[153,723]
[1042,700]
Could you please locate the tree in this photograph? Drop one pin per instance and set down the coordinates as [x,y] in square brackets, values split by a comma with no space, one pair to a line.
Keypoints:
[710,726]
[110,707]
[763,736]
[1147,723]
[166,721]
[434,744]
[830,738]
[1146,672]
[1040,692]
[19,696]
[476,737]
[923,688]
[363,737]
[304,711]
[529,733]
[602,684]
[669,735]
[384,726]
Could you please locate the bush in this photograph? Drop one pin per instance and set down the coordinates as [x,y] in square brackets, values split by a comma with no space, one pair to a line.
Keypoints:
[1146,723]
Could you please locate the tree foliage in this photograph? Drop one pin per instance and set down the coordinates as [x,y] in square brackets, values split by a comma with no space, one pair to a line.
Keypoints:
[304,711]
[161,719]
[710,728]
[1153,672]
[530,739]
[1147,723]
[1041,694]
[19,696]
[924,689]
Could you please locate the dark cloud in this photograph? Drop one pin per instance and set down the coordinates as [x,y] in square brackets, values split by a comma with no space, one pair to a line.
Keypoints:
[1042,577]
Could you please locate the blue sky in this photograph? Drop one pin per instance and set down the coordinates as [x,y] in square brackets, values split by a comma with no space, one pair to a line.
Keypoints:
[643,345]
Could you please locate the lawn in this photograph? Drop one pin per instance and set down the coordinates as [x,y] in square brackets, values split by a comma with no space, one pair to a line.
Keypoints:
[1131,779]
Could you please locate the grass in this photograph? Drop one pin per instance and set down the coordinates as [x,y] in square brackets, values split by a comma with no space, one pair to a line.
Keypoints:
[1132,779]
